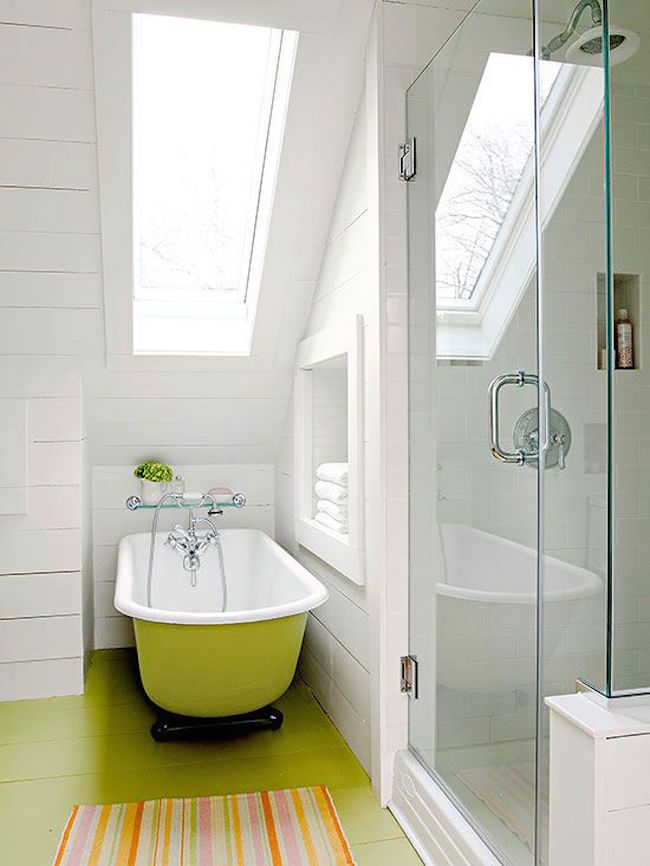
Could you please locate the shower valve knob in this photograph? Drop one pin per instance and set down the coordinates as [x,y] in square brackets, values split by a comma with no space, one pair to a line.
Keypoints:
[526,438]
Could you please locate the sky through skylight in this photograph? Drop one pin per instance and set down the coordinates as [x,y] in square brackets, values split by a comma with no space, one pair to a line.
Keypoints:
[202,101]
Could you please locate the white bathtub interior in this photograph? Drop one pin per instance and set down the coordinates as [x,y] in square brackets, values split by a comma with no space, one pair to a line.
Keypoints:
[479,565]
[262,580]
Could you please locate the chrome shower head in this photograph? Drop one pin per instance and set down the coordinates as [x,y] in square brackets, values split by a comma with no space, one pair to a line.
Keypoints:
[588,47]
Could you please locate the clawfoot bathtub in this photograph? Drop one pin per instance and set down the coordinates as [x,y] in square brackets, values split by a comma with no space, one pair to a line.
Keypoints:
[197,660]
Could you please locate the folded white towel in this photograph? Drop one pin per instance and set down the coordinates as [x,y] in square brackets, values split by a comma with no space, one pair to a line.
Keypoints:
[329,490]
[338,512]
[336,472]
[326,520]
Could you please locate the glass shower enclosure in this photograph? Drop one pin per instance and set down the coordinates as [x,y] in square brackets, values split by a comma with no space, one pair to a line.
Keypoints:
[529,235]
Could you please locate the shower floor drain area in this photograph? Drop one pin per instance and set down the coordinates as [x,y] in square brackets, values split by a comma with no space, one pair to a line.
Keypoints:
[508,790]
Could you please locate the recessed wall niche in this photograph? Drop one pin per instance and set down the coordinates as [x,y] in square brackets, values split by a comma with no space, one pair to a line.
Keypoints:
[627,295]
[328,446]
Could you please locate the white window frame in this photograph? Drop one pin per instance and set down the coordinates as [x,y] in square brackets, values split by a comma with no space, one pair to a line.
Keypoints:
[113,45]
[345,553]
[467,331]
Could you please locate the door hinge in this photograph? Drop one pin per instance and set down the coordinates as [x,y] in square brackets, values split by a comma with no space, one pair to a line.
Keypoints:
[409,676]
[406,159]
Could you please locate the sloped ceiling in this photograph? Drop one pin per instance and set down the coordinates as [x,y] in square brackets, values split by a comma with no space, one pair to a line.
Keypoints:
[307,188]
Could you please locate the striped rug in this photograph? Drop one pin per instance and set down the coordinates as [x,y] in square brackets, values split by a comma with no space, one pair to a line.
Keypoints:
[296,827]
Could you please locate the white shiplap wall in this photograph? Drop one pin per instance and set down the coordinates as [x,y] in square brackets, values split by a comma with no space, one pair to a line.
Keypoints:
[41,644]
[335,660]
[52,333]
[50,319]
[51,302]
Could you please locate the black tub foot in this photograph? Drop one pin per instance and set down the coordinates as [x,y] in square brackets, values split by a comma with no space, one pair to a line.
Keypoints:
[169,727]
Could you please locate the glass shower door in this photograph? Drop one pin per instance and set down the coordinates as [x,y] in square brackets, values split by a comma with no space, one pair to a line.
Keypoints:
[473,333]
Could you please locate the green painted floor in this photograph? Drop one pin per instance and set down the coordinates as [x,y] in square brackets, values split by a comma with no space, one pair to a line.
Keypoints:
[96,748]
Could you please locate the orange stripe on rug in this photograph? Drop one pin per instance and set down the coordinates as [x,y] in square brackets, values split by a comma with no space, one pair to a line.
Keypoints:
[157,815]
[126,834]
[66,836]
[135,838]
[100,833]
[182,851]
[333,824]
[167,833]
[276,857]
[239,851]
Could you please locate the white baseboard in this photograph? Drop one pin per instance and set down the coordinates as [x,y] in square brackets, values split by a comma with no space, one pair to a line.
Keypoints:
[435,827]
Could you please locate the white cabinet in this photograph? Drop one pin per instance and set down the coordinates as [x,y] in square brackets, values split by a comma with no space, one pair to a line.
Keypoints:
[599,781]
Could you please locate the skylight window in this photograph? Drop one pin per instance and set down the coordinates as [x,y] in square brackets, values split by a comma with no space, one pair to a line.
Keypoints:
[209,104]
[488,167]
[486,220]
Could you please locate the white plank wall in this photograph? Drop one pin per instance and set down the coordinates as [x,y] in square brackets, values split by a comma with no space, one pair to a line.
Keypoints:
[51,318]
[112,520]
[52,322]
[41,645]
[335,660]
[49,215]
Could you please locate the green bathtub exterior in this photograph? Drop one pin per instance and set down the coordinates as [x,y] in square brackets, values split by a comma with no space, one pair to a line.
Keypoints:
[218,670]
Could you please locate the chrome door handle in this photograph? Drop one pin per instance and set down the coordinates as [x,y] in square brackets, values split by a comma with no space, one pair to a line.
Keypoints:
[519,379]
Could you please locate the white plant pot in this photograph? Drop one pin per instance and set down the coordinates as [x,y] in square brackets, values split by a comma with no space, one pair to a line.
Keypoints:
[152,491]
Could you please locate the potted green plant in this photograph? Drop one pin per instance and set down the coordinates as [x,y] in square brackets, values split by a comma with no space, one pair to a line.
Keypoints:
[154,477]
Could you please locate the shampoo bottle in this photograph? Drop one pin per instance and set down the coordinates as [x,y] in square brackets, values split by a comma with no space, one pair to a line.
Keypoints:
[624,342]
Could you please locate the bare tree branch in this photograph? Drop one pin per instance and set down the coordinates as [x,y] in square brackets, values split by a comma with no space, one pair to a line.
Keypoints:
[486,173]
